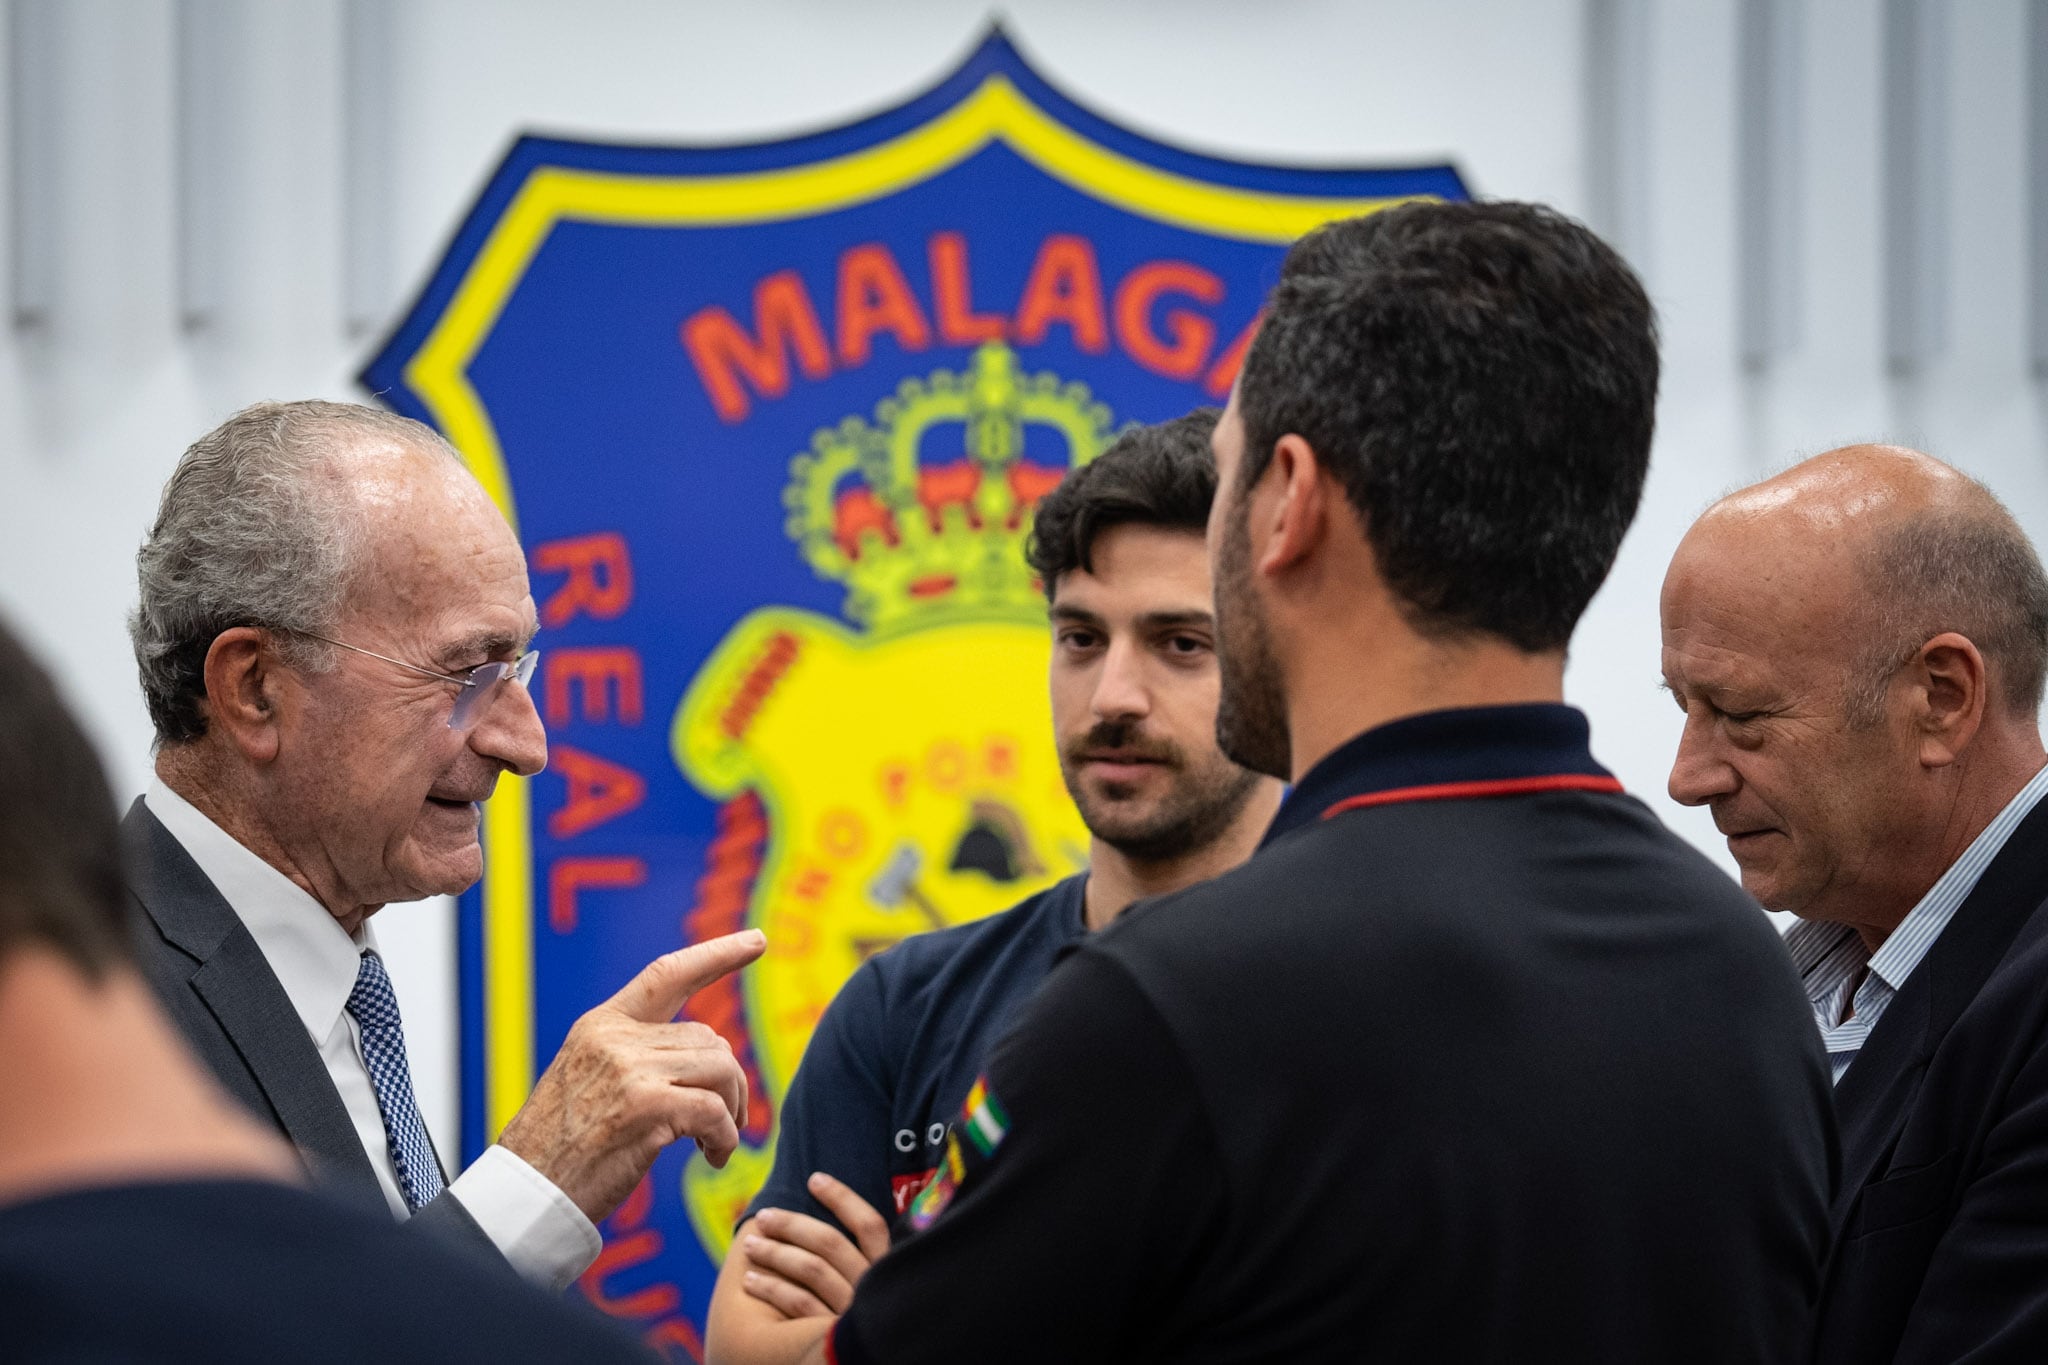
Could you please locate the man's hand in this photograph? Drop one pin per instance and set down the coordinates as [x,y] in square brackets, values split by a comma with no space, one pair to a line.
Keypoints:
[806,1267]
[629,1081]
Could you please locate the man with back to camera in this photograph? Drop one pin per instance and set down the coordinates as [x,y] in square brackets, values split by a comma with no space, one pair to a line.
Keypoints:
[1445,1071]
[144,1216]
[1865,732]
[333,637]
[1118,546]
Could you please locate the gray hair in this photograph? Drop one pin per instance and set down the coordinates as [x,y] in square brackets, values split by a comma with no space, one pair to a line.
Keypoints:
[1968,569]
[256,528]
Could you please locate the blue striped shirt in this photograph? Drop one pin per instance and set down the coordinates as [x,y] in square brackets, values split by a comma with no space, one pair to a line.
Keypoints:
[1831,956]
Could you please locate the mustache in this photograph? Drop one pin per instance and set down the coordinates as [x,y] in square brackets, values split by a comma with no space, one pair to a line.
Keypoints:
[1124,739]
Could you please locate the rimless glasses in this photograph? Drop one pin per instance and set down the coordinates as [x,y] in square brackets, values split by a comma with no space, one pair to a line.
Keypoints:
[478,684]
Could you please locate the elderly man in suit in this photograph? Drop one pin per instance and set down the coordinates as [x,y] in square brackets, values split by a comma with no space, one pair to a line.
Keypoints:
[1859,645]
[333,637]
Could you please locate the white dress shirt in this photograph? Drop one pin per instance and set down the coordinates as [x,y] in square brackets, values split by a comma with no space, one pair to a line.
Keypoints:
[537,1227]
[1830,957]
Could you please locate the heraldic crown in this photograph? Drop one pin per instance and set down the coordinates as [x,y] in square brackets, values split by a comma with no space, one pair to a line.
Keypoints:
[924,512]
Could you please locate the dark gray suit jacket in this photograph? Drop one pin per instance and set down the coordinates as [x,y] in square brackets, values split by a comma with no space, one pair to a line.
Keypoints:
[1941,1220]
[213,980]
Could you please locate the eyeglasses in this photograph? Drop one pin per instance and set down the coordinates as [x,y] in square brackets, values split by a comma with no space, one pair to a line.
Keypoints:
[477,684]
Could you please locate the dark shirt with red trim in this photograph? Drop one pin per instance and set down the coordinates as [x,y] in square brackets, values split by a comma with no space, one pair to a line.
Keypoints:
[891,1060]
[1497,1070]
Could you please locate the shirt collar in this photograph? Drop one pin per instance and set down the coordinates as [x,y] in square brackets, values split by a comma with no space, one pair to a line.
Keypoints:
[1903,948]
[1486,745]
[1073,910]
[1811,941]
[312,956]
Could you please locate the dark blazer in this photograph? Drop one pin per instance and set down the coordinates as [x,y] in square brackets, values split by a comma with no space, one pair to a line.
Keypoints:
[1941,1220]
[213,980]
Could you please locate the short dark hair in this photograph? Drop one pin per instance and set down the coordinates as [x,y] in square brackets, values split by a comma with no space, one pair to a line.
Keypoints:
[1161,475]
[60,871]
[1482,378]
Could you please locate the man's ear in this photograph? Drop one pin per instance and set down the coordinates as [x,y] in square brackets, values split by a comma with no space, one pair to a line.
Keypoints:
[1292,502]
[243,690]
[1949,695]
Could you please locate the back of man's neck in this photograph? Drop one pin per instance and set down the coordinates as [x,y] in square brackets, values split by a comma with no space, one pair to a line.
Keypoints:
[95,1089]
[1338,695]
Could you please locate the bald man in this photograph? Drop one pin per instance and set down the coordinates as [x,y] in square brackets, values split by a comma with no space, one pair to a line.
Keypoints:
[1858,646]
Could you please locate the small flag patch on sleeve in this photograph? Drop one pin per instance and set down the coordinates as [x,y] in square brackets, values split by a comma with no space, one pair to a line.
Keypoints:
[983,1119]
[984,1123]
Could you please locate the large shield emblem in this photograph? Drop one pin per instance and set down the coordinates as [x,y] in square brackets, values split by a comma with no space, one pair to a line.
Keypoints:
[770,421]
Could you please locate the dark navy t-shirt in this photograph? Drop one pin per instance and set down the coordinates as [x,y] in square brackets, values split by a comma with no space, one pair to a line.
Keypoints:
[897,1050]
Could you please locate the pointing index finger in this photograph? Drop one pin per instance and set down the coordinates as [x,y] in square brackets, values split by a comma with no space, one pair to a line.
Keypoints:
[666,984]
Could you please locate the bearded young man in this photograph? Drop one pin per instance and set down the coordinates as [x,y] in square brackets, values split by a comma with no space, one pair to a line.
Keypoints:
[1119,547]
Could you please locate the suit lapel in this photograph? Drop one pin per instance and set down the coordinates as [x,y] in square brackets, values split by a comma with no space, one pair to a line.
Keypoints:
[1876,1094]
[238,988]
[237,985]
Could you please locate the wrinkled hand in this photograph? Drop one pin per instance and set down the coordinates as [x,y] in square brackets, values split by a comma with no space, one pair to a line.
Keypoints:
[629,1081]
[806,1267]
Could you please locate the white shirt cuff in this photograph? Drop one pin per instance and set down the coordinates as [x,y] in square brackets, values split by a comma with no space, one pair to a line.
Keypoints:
[537,1227]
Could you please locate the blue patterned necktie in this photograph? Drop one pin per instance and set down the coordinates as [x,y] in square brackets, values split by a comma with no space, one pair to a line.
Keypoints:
[375,1007]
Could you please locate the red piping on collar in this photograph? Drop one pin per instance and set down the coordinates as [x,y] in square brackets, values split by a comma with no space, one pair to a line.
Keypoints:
[1459,791]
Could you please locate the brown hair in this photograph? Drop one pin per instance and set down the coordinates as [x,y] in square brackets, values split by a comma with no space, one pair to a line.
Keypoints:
[60,875]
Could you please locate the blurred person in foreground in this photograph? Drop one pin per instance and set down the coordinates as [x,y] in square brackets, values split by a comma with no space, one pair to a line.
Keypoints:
[1134,680]
[334,638]
[144,1216]
[1859,646]
[1446,1071]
